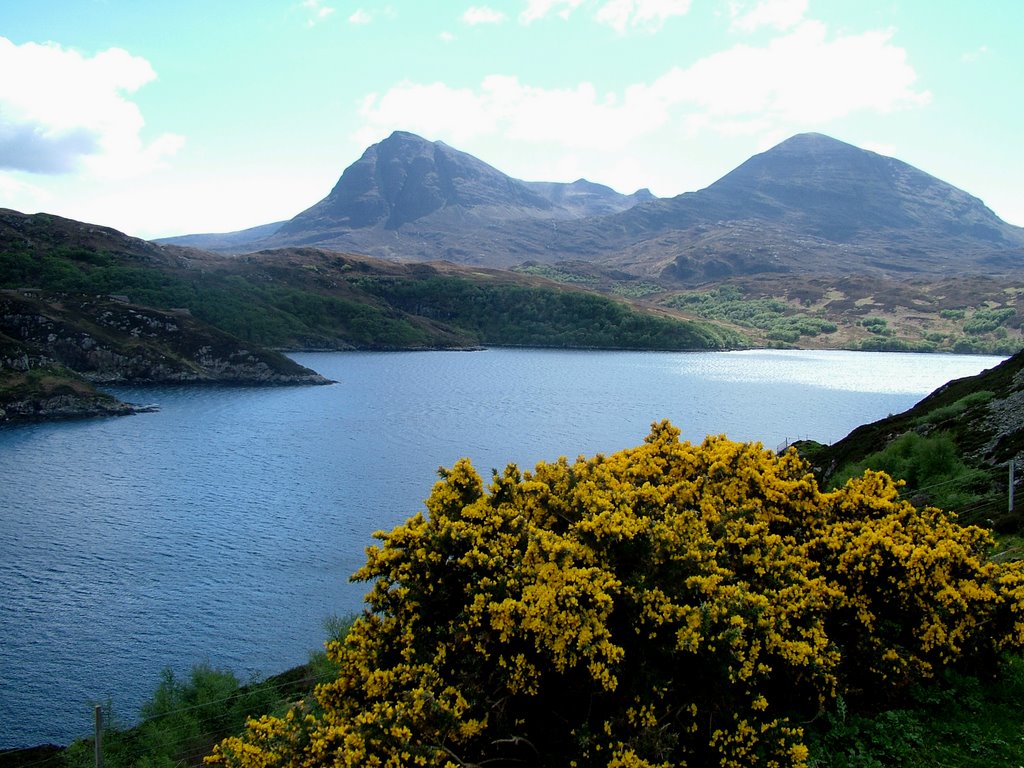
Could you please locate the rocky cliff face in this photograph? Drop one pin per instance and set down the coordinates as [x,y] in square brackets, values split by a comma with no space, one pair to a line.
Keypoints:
[53,348]
[57,401]
[106,340]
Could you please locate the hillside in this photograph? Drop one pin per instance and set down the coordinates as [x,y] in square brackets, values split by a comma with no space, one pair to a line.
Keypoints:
[107,307]
[952,448]
[55,347]
[965,314]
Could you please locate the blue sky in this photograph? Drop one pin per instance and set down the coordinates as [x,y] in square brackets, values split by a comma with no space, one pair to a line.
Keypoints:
[162,118]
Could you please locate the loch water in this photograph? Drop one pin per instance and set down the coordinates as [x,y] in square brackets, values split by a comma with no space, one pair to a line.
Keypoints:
[223,527]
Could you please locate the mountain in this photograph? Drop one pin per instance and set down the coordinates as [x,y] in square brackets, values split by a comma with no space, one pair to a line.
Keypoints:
[225,242]
[816,204]
[810,205]
[404,179]
[409,198]
[583,198]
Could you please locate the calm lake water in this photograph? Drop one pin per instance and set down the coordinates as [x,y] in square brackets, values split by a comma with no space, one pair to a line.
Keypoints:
[223,528]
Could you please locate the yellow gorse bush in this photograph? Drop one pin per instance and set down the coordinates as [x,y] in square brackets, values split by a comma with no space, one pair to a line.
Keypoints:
[671,604]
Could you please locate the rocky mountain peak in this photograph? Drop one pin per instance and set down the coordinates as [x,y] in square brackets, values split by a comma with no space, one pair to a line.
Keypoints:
[405,178]
[838,191]
[809,204]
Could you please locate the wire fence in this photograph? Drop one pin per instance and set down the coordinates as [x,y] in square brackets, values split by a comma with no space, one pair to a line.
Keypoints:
[182,743]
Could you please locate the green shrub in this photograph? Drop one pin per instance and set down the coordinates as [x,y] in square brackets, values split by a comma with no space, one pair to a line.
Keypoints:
[928,465]
[877,325]
[954,409]
[987,320]
[182,721]
[776,318]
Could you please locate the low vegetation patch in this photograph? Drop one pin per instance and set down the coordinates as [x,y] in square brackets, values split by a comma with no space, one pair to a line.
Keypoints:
[955,409]
[505,313]
[968,315]
[187,715]
[929,468]
[776,318]
[956,721]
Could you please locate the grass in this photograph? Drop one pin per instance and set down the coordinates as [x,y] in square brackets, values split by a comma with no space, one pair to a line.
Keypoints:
[955,721]
[930,466]
[958,721]
[952,410]
[187,715]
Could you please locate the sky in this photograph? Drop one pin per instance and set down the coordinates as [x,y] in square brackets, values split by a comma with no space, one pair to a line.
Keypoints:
[166,118]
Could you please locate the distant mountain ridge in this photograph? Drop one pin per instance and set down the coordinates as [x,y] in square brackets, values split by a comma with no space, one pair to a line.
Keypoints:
[811,204]
[408,198]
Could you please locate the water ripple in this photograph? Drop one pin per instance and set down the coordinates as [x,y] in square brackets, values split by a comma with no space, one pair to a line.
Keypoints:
[224,527]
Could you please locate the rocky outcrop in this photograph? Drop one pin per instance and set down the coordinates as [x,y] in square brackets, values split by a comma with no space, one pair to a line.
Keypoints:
[43,406]
[107,341]
[54,348]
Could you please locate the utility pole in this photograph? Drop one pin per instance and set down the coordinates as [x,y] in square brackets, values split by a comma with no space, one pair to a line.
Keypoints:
[98,711]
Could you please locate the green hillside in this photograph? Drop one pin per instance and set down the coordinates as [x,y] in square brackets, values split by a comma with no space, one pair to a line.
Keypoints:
[314,299]
[952,449]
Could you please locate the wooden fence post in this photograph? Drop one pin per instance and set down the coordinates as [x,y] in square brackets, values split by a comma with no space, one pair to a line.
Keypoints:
[98,712]
[1011,486]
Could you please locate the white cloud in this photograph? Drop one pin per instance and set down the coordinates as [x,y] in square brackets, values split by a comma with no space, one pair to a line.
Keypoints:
[317,11]
[446,37]
[538,9]
[66,112]
[977,53]
[29,197]
[482,15]
[799,81]
[618,14]
[502,104]
[881,148]
[651,14]
[802,79]
[778,14]
[360,17]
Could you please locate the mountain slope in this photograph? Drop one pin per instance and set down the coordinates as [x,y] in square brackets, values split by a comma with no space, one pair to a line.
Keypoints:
[954,443]
[309,298]
[408,198]
[815,204]
[583,198]
[810,205]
